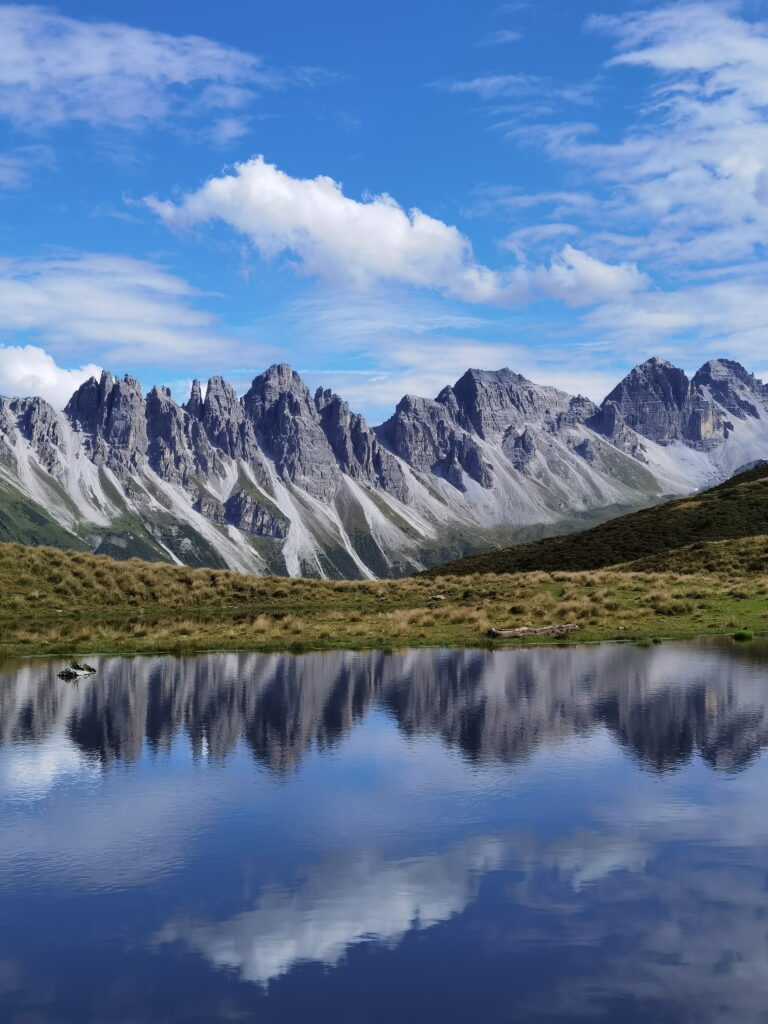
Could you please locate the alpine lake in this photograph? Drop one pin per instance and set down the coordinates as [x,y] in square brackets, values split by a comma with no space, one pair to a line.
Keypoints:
[541,834]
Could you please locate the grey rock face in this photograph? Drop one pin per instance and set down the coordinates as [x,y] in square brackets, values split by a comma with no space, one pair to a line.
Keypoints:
[520,449]
[178,448]
[733,387]
[426,435]
[489,403]
[244,511]
[223,418]
[39,423]
[356,447]
[247,514]
[609,421]
[288,428]
[110,414]
[659,401]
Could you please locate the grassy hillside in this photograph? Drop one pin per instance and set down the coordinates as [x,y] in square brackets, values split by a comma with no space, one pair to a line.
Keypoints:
[75,604]
[23,521]
[735,509]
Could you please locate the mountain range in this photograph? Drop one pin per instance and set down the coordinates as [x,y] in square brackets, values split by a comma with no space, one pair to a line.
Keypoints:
[284,481]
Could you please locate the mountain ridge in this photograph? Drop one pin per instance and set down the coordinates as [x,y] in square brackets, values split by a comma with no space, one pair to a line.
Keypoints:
[675,533]
[283,480]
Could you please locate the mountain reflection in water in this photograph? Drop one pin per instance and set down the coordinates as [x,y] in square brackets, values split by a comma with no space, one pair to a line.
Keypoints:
[662,705]
[533,835]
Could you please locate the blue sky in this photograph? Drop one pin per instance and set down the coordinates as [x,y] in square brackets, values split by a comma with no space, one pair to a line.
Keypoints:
[381,195]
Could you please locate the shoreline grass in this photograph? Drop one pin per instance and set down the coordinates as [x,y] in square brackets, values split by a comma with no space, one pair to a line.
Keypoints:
[71,603]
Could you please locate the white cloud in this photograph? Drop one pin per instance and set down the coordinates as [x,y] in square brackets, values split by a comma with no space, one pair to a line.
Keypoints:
[579,279]
[28,370]
[226,129]
[722,316]
[119,309]
[57,69]
[521,85]
[344,240]
[688,181]
[17,164]
[339,906]
[500,37]
[521,240]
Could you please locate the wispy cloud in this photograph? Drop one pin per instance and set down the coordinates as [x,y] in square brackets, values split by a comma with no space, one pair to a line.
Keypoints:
[500,37]
[56,69]
[120,309]
[17,165]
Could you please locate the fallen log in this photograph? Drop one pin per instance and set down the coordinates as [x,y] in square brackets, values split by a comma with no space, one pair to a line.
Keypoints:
[569,627]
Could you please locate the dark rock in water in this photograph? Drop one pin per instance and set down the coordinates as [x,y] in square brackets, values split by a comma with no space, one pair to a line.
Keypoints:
[68,674]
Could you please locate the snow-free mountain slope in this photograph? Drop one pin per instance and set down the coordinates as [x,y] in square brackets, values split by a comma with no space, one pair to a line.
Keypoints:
[280,480]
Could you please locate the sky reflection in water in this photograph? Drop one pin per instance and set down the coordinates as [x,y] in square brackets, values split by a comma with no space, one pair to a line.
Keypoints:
[570,834]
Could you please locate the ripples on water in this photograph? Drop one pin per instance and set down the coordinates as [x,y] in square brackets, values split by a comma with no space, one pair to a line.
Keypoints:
[531,835]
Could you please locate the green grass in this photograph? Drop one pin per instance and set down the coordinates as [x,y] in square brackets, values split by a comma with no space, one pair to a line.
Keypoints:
[25,521]
[73,604]
[736,509]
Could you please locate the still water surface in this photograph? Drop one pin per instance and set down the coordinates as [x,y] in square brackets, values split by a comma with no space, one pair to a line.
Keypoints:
[533,835]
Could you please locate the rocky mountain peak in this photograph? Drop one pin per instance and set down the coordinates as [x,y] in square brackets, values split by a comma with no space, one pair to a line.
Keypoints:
[490,402]
[733,387]
[110,413]
[177,447]
[287,426]
[657,400]
[194,403]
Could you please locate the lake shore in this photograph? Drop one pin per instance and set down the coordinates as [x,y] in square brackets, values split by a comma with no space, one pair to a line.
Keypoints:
[278,614]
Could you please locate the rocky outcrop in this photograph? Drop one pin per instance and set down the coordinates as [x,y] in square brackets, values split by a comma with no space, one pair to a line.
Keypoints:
[489,403]
[520,449]
[178,449]
[245,512]
[110,415]
[734,388]
[658,401]
[287,427]
[428,436]
[40,424]
[356,448]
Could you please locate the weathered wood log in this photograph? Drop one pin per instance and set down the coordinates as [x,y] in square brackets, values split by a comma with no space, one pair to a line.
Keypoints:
[568,627]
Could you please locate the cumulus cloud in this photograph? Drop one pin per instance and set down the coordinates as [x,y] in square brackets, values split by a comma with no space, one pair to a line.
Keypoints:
[357,243]
[57,69]
[582,280]
[29,370]
[119,309]
[364,243]
[338,907]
